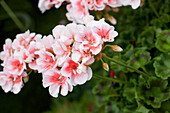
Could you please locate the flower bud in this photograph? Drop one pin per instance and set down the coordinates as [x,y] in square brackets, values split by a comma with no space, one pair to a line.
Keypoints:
[116,48]
[141,3]
[112,74]
[111,19]
[106,66]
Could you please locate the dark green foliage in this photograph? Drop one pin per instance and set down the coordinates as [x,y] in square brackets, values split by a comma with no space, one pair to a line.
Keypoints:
[145,40]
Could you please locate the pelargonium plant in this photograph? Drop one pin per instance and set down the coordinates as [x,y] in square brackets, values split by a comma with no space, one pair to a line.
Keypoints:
[63,58]
[138,68]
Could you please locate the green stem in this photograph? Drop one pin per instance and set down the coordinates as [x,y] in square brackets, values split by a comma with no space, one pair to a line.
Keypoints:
[131,67]
[12,15]
[144,69]
[106,46]
[30,71]
[153,8]
[109,79]
[114,95]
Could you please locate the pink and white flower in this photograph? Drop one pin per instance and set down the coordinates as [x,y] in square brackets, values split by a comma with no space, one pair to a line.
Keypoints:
[99,4]
[90,41]
[7,51]
[67,33]
[22,40]
[78,73]
[62,52]
[77,10]
[104,30]
[15,65]
[134,3]
[45,43]
[45,61]
[114,3]
[54,80]
[9,82]
[47,4]
[85,58]
[63,59]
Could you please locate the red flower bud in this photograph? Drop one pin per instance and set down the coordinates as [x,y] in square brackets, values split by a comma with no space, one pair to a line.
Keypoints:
[112,74]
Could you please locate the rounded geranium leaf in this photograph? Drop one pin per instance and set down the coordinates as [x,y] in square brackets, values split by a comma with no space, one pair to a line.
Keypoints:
[156,93]
[162,66]
[163,41]
[139,59]
[147,38]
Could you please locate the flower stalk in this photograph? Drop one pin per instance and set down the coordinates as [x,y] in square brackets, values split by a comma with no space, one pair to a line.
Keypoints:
[122,64]
[12,15]
[109,79]
[153,8]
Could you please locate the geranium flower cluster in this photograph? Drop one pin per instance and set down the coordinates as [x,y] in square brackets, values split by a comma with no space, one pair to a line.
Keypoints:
[63,58]
[77,9]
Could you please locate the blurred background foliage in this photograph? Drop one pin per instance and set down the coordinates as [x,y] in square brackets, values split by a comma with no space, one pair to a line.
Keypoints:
[143,34]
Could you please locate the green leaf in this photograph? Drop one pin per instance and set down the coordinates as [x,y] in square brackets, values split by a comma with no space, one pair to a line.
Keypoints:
[154,95]
[165,18]
[117,68]
[139,59]
[147,38]
[162,66]
[165,107]
[163,41]
[130,90]
[142,109]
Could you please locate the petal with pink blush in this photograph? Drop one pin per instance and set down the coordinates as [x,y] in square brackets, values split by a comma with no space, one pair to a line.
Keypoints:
[89,71]
[96,50]
[63,58]
[59,48]
[80,78]
[54,79]
[33,65]
[8,86]
[75,56]
[86,58]
[64,89]
[54,90]
[46,81]
[90,61]
[64,71]
[3,78]
[15,66]
[17,85]
[46,61]
[69,68]
[114,3]
[58,31]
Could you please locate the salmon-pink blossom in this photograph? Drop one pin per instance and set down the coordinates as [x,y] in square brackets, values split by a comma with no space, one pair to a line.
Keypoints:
[45,61]
[61,51]
[15,65]
[47,4]
[7,51]
[9,82]
[54,80]
[104,30]
[78,9]
[78,73]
